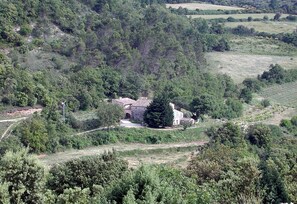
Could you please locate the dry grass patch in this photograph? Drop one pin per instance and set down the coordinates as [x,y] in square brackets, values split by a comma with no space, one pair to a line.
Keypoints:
[61,157]
[267,26]
[285,94]
[202,6]
[241,66]
[237,16]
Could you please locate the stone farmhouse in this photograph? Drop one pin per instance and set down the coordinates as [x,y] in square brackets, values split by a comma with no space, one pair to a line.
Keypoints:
[134,110]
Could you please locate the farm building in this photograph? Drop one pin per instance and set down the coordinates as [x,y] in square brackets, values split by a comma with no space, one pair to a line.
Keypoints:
[135,109]
[139,107]
[126,103]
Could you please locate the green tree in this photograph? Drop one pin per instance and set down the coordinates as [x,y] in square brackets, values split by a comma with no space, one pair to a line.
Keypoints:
[159,113]
[24,176]
[109,114]
[273,183]
[205,104]
[33,134]
[229,134]
[88,172]
[259,135]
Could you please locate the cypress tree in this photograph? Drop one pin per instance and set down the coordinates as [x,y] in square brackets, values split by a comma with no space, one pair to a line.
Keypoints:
[159,113]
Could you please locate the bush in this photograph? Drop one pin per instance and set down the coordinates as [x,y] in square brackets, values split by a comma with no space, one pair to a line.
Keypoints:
[265,103]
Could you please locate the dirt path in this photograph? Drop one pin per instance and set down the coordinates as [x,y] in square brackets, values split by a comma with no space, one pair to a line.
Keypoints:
[6,131]
[73,154]
[13,120]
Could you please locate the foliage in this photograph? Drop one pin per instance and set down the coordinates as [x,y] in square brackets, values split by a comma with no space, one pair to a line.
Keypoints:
[109,114]
[229,134]
[259,135]
[89,172]
[24,177]
[290,125]
[155,185]
[159,113]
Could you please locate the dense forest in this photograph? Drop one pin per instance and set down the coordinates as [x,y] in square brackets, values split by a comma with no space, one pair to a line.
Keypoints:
[50,54]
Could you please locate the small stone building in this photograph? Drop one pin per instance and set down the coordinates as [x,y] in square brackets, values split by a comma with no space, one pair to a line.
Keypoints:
[126,103]
[135,109]
[138,108]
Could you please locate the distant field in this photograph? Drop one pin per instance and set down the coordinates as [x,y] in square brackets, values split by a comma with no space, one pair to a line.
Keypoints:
[203,6]
[285,94]
[240,66]
[237,16]
[261,46]
[267,26]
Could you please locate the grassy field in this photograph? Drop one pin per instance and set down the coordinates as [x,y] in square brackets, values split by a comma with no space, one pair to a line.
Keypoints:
[85,115]
[261,46]
[203,6]
[237,16]
[267,26]
[175,156]
[241,66]
[285,94]
[127,151]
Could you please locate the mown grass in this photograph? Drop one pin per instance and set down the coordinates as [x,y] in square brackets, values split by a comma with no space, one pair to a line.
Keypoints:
[237,16]
[203,6]
[273,27]
[251,56]
[241,66]
[285,94]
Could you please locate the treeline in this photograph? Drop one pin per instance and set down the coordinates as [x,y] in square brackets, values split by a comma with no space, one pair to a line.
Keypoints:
[290,38]
[254,166]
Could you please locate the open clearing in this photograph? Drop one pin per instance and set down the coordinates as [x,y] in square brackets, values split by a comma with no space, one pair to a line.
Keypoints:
[261,46]
[202,6]
[60,157]
[271,115]
[267,26]
[241,66]
[177,157]
[237,16]
[285,94]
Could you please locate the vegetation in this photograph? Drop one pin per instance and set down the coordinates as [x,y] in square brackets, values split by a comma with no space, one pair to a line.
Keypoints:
[290,125]
[159,113]
[284,94]
[253,166]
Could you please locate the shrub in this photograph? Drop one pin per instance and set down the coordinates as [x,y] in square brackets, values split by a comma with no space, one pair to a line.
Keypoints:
[265,103]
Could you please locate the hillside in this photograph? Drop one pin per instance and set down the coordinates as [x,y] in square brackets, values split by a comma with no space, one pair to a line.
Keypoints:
[83,51]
